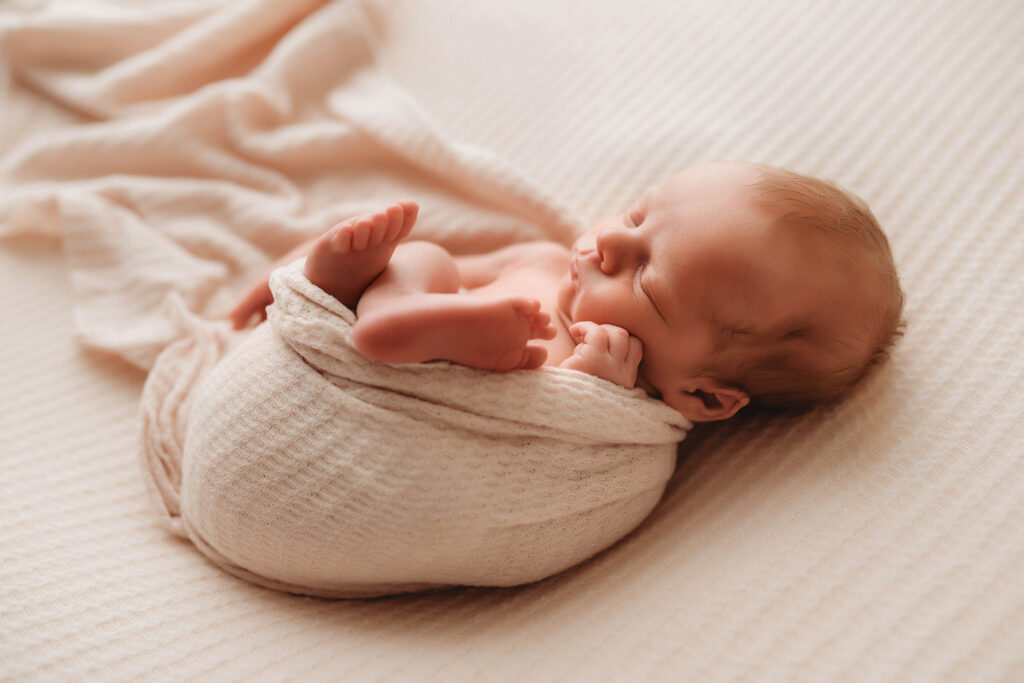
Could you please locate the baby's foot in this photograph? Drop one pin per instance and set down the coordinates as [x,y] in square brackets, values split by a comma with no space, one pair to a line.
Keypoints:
[490,334]
[496,333]
[350,255]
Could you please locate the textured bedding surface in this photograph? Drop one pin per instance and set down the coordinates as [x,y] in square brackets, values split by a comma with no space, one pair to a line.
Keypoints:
[882,539]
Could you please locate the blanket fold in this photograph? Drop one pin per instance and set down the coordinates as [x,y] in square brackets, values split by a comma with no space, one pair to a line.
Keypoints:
[205,152]
[292,461]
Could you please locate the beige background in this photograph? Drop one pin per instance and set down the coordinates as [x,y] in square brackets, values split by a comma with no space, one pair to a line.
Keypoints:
[879,540]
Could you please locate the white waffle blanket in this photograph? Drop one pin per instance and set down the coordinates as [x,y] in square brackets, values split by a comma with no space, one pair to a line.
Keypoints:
[300,465]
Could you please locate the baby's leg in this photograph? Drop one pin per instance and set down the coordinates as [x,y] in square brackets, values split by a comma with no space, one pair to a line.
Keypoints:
[349,256]
[413,313]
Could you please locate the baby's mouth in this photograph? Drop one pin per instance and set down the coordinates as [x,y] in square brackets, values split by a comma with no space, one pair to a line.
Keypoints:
[578,256]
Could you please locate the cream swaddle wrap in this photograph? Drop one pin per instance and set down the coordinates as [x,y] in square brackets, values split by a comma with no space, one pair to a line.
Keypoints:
[296,463]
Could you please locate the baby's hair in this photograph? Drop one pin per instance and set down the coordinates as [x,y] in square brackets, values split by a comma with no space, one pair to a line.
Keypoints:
[775,375]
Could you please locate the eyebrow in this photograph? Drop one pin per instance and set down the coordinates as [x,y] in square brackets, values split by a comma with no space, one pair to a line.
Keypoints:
[724,334]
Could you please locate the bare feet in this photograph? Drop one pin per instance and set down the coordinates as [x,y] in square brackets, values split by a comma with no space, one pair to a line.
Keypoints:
[350,255]
[490,334]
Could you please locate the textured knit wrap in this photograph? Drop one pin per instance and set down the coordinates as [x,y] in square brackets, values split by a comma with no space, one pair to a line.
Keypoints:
[294,462]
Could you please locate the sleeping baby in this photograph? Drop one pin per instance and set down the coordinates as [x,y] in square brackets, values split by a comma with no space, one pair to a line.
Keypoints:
[409,420]
[728,284]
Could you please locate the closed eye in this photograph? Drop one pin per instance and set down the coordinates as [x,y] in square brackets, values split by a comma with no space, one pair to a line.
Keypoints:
[642,286]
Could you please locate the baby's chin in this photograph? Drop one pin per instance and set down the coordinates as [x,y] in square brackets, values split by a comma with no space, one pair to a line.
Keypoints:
[566,297]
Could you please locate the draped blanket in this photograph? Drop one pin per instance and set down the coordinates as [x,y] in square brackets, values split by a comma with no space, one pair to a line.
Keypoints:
[198,161]
[298,464]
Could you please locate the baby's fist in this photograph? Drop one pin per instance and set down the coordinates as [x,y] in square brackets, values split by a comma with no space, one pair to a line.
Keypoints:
[605,351]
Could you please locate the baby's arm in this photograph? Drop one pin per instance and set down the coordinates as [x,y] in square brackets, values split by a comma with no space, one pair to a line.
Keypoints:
[606,351]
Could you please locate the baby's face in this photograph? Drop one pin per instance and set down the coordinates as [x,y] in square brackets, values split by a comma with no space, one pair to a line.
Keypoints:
[691,267]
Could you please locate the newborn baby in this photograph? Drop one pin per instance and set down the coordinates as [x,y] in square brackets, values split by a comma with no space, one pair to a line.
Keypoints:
[291,457]
[729,284]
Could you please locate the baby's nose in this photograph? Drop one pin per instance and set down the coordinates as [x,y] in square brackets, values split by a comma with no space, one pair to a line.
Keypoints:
[616,249]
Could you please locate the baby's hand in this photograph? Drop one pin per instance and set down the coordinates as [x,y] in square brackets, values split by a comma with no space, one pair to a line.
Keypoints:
[253,304]
[605,351]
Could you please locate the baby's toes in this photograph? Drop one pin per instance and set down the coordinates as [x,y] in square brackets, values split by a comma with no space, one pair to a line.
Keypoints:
[369,232]
[340,237]
[541,327]
[410,210]
[528,308]
[378,227]
[395,220]
[358,232]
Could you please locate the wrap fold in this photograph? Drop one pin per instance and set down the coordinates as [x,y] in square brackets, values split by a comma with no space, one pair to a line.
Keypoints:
[294,462]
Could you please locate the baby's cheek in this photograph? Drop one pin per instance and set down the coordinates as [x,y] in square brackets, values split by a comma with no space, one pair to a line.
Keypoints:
[643,383]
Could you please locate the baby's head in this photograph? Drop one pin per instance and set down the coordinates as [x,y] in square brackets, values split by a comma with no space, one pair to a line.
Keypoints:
[746,284]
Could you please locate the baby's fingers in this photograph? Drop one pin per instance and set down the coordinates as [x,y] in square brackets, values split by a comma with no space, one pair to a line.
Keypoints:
[635,353]
[619,342]
[613,340]
[586,332]
[255,300]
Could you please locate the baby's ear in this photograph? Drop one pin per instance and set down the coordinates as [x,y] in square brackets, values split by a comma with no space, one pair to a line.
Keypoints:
[702,399]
